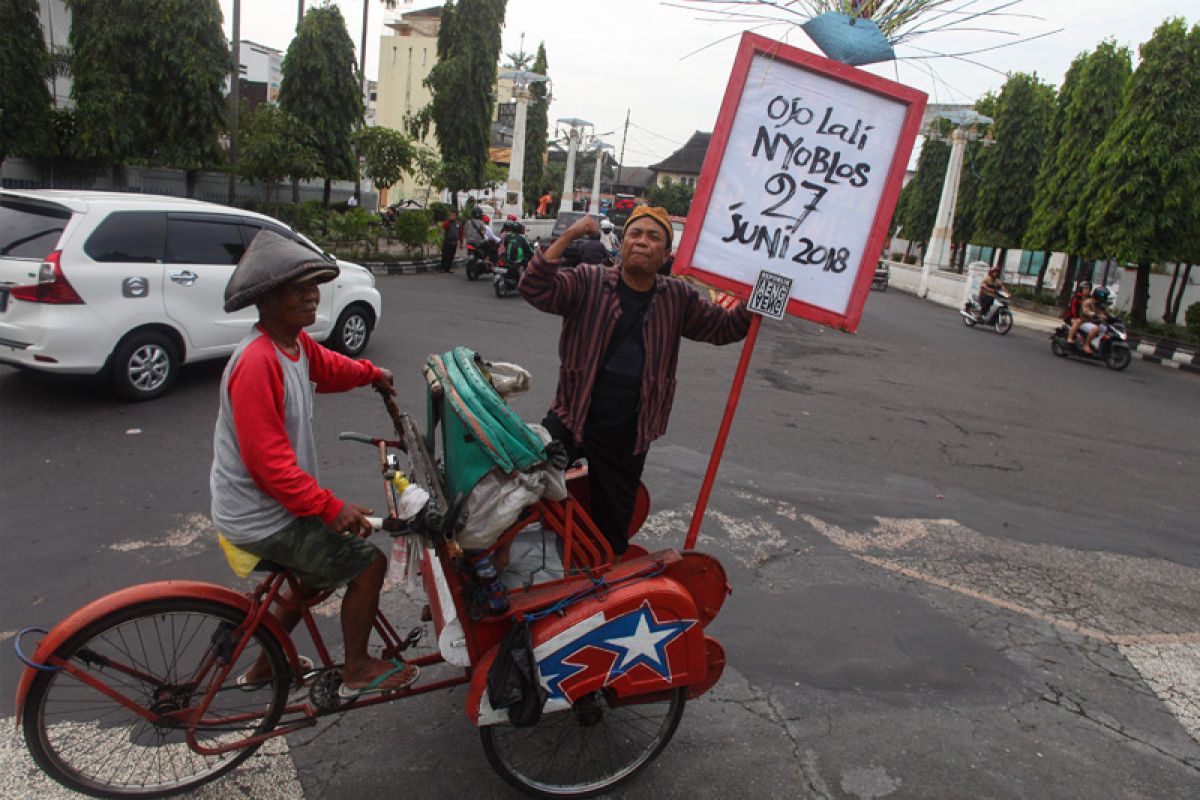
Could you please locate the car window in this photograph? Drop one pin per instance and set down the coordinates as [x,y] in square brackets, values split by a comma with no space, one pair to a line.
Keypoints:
[30,230]
[128,236]
[250,229]
[203,241]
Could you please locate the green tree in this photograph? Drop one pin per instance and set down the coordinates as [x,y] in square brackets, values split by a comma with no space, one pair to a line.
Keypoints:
[461,84]
[1089,100]
[189,108]
[1009,174]
[385,154]
[427,167]
[674,196]
[321,90]
[25,64]
[921,204]
[272,146]
[1144,185]
[110,63]
[537,129]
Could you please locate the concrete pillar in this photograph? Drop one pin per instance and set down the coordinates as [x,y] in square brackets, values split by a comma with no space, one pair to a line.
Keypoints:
[514,191]
[568,195]
[937,256]
[594,203]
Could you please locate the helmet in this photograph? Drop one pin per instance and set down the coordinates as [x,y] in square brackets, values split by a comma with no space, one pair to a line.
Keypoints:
[1085,286]
[518,227]
[512,217]
[487,219]
[606,225]
[507,226]
[476,213]
[1101,295]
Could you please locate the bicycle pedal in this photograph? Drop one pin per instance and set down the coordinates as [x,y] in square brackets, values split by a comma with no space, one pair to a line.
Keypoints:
[323,691]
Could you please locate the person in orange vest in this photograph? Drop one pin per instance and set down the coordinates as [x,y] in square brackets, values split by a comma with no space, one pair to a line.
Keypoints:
[543,206]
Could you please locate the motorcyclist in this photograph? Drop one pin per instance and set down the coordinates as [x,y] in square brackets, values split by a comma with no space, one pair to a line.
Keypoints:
[1074,313]
[1094,317]
[608,237]
[517,251]
[481,236]
[988,290]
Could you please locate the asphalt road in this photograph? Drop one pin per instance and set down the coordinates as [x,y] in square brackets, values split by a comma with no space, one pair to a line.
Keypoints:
[961,566]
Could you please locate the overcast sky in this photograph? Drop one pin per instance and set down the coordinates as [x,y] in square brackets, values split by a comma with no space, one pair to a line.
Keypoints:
[633,54]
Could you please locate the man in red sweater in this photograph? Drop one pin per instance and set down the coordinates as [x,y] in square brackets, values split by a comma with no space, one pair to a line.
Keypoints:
[266,498]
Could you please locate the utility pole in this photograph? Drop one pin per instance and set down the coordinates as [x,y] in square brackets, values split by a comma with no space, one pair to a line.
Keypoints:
[621,159]
[362,90]
[299,13]
[234,99]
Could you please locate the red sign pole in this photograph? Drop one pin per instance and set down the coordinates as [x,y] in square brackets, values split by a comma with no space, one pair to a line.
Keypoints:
[714,460]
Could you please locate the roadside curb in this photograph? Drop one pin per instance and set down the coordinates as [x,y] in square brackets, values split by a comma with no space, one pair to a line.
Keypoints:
[1168,355]
[402,267]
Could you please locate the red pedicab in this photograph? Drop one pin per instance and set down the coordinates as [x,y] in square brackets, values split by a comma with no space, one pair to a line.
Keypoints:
[137,694]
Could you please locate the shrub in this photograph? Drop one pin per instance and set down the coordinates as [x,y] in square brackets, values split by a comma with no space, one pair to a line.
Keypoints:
[412,227]
[1191,318]
[441,211]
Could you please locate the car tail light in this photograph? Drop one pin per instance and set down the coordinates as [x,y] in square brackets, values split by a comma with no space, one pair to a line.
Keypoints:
[52,286]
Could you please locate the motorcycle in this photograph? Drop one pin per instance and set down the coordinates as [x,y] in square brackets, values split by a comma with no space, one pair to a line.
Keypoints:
[505,277]
[999,316]
[1113,348]
[481,260]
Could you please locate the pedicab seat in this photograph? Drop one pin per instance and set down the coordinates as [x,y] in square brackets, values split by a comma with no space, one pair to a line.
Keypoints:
[479,430]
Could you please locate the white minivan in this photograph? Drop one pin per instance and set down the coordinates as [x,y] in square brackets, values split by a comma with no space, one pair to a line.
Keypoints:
[132,285]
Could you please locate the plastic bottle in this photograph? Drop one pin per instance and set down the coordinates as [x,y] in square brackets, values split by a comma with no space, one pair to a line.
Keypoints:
[493,587]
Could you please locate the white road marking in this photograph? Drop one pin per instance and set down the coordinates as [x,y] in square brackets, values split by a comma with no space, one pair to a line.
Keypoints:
[269,774]
[186,537]
[1173,672]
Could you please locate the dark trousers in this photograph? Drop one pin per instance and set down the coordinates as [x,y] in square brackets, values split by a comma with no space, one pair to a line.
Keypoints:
[448,251]
[614,472]
[985,303]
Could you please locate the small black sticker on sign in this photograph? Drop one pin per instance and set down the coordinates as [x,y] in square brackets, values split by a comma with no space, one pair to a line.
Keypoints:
[770,295]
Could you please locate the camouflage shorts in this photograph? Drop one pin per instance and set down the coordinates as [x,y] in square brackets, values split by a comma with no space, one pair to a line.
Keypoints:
[319,557]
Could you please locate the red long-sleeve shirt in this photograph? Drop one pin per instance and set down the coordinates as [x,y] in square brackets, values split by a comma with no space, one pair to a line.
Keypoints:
[265,463]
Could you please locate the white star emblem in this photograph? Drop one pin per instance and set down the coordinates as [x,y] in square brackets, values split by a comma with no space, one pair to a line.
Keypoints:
[642,644]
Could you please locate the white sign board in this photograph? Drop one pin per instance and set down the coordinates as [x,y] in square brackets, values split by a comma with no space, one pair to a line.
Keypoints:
[800,179]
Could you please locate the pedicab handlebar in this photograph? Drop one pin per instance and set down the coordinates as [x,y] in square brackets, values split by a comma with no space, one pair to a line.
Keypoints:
[440,516]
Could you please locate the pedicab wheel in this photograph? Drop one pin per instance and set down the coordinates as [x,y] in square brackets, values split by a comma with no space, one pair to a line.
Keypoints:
[150,653]
[586,749]
[1117,358]
[1004,322]
[1058,347]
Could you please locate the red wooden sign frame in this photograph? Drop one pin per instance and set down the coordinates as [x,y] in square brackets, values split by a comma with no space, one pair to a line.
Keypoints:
[752,45]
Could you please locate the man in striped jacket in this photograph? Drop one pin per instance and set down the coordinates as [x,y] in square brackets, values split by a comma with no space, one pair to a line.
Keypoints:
[618,352]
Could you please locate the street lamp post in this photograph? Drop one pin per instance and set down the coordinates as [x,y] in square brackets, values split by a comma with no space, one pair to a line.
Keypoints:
[515,186]
[937,255]
[594,203]
[574,138]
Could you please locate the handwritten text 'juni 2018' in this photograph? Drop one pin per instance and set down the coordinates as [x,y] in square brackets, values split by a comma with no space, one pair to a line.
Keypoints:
[809,148]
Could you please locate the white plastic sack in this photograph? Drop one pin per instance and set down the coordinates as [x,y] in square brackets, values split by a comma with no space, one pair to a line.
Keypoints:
[509,379]
[498,499]
[533,558]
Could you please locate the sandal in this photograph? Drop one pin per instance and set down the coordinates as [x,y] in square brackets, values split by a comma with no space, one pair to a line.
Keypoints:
[246,685]
[410,673]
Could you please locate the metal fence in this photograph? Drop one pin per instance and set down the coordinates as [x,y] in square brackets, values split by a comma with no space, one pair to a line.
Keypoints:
[16,173]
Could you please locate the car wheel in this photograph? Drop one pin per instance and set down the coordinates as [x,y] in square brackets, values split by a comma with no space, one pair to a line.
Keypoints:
[352,331]
[144,366]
